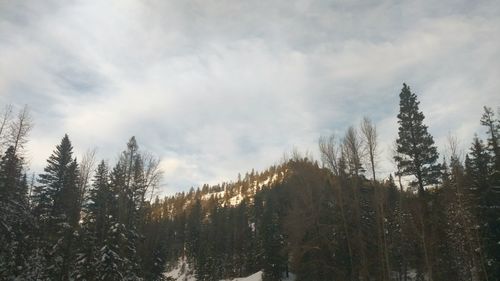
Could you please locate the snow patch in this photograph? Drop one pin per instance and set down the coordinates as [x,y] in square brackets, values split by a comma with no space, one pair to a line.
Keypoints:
[216,195]
[258,277]
[254,277]
[181,272]
[236,200]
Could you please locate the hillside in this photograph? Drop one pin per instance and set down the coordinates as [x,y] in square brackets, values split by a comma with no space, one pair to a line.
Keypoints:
[229,194]
[235,229]
[299,217]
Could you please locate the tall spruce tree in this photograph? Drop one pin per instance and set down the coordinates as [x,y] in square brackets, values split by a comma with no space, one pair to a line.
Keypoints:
[490,197]
[128,186]
[417,156]
[415,146]
[15,220]
[478,170]
[493,131]
[95,227]
[56,205]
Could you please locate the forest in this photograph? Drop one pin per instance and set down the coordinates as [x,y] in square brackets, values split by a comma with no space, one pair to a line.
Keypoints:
[434,218]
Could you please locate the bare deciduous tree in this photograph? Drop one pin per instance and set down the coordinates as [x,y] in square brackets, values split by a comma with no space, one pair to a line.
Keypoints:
[352,148]
[152,172]
[87,165]
[6,115]
[19,129]
[369,133]
[295,155]
[330,153]
[453,148]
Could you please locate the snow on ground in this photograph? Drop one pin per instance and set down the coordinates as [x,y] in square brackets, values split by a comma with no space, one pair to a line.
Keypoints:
[236,199]
[254,277]
[258,277]
[183,272]
[216,195]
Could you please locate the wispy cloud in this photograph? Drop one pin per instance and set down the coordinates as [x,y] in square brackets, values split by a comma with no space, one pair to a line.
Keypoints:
[221,87]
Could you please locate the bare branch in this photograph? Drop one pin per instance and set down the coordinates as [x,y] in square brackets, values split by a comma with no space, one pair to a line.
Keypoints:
[453,148]
[152,173]
[87,165]
[6,115]
[369,133]
[352,149]
[19,129]
[330,153]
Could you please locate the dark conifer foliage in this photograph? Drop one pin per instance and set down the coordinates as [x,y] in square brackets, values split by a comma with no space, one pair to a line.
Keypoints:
[15,219]
[417,152]
[298,219]
[95,225]
[55,205]
[485,166]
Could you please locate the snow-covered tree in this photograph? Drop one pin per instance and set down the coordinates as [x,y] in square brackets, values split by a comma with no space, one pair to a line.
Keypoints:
[56,206]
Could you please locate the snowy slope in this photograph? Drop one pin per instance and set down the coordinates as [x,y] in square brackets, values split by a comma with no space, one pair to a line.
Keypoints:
[255,185]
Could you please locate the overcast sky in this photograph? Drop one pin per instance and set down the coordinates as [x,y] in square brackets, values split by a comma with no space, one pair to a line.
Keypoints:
[215,88]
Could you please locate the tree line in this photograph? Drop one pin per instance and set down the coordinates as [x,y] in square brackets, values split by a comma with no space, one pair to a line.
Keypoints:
[434,218]
[63,225]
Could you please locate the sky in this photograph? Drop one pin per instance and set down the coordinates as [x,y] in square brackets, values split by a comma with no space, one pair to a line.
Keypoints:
[216,88]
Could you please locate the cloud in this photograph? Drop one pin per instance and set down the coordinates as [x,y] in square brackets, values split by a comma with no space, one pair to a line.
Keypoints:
[221,87]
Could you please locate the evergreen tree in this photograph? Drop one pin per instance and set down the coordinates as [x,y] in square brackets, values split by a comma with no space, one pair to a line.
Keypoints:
[243,241]
[490,197]
[461,228]
[15,220]
[272,242]
[478,170]
[155,249]
[417,152]
[194,250]
[112,265]
[417,156]
[128,184]
[56,206]
[493,131]
[95,226]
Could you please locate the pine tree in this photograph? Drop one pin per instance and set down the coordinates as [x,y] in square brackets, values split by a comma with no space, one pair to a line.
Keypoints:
[417,152]
[194,249]
[154,250]
[128,185]
[477,169]
[493,130]
[243,240]
[15,219]
[56,205]
[95,226]
[490,198]
[461,231]
[272,242]
[417,156]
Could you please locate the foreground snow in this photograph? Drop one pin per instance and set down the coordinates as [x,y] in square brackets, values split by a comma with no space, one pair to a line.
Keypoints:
[183,272]
[254,277]
[258,277]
